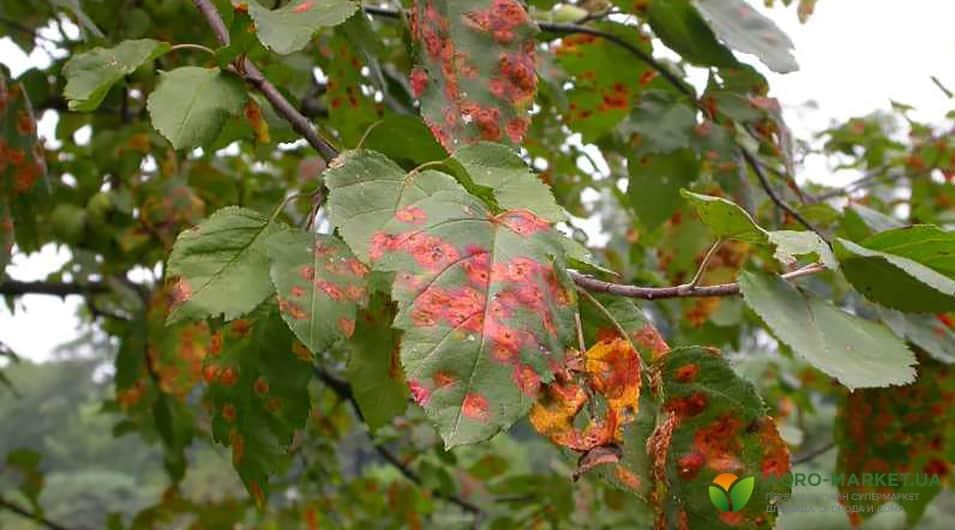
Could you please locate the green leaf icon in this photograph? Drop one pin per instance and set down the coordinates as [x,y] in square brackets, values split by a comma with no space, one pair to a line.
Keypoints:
[740,492]
[719,499]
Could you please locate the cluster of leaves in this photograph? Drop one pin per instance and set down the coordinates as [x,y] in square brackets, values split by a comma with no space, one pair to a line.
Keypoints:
[430,263]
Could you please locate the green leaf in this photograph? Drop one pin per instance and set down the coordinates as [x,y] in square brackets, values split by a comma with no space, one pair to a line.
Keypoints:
[319,283]
[221,265]
[792,243]
[258,388]
[7,237]
[713,422]
[476,78]
[858,352]
[485,307]
[897,281]
[905,430]
[662,123]
[290,28]
[374,368]
[655,183]
[744,29]
[499,168]
[90,75]
[718,498]
[366,189]
[725,218]
[191,105]
[741,492]
[684,31]
[925,331]
[861,222]
[26,463]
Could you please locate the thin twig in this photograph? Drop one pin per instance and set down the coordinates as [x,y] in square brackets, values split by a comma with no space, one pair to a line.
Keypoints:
[812,454]
[678,291]
[344,391]
[773,196]
[26,514]
[18,288]
[257,79]
[706,261]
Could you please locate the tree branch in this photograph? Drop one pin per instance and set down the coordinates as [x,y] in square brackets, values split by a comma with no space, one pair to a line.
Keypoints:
[773,196]
[18,288]
[26,514]
[679,291]
[812,454]
[344,391]
[252,75]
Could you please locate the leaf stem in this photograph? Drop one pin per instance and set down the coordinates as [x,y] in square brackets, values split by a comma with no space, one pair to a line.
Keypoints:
[189,46]
[706,261]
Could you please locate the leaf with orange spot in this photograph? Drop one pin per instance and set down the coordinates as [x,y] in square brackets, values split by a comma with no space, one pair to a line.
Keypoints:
[904,430]
[603,93]
[350,109]
[477,76]
[319,283]
[22,169]
[485,306]
[713,422]
[611,369]
[258,392]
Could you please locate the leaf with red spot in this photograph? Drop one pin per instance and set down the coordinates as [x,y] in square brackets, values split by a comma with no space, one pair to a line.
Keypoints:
[319,284]
[476,77]
[712,422]
[290,28]
[22,169]
[603,93]
[350,109]
[485,307]
[257,377]
[366,189]
[905,430]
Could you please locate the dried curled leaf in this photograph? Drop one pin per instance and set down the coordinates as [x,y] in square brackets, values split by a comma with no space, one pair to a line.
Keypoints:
[611,368]
[477,75]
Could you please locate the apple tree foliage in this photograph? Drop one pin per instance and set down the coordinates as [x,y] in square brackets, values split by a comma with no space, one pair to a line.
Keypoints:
[310,223]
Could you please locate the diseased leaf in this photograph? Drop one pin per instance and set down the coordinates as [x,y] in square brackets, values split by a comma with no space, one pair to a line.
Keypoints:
[929,332]
[374,365]
[858,352]
[898,281]
[678,24]
[221,266]
[485,310]
[655,183]
[597,103]
[404,139]
[744,29]
[290,28]
[90,75]
[258,386]
[611,369]
[904,431]
[191,105]
[477,76]
[660,123]
[792,243]
[350,110]
[713,428]
[726,219]
[366,189]
[23,184]
[320,285]
[499,168]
